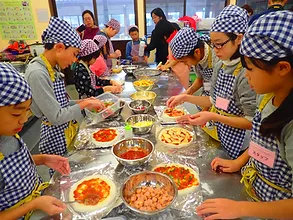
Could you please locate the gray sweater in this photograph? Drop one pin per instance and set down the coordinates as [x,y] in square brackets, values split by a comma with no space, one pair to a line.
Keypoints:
[44,100]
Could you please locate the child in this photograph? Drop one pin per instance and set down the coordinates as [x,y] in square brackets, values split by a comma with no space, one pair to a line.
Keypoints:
[233,102]
[86,82]
[111,29]
[50,100]
[132,47]
[187,45]
[99,68]
[268,56]
[20,184]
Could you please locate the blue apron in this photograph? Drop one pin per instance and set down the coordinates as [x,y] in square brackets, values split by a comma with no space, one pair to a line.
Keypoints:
[262,182]
[22,182]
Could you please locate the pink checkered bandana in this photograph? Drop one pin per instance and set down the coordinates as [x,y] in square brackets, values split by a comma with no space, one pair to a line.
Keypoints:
[113,24]
[88,47]
[100,40]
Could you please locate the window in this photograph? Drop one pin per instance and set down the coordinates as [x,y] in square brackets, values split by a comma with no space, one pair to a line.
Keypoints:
[173,10]
[71,10]
[122,12]
[204,9]
[258,6]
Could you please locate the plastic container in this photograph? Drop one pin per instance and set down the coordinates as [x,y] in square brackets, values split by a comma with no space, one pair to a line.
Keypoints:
[128,131]
[141,48]
[110,110]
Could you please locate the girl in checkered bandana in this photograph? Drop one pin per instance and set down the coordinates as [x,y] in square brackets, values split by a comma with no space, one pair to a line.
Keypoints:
[86,82]
[20,184]
[50,100]
[267,164]
[232,102]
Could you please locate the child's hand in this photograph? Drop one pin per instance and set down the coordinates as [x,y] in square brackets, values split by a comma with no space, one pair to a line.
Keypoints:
[112,89]
[219,209]
[49,204]
[93,103]
[163,67]
[115,83]
[118,53]
[58,163]
[135,58]
[226,166]
[174,101]
[200,118]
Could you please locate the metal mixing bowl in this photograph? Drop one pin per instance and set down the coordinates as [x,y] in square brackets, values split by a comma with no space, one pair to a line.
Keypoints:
[135,104]
[139,118]
[125,144]
[147,73]
[144,88]
[147,178]
[129,69]
[144,95]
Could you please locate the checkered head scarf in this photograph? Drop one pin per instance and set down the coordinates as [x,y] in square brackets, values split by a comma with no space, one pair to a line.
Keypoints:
[113,24]
[13,87]
[88,47]
[232,19]
[269,37]
[184,41]
[100,40]
[59,31]
[132,26]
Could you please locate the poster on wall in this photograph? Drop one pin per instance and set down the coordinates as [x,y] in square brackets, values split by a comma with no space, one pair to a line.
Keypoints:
[16,20]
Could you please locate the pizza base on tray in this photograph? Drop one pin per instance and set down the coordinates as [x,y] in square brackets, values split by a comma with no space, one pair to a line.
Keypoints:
[185,189]
[105,143]
[110,191]
[171,115]
[175,137]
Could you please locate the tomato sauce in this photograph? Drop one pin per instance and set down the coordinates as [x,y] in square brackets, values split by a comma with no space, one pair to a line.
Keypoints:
[133,154]
[105,135]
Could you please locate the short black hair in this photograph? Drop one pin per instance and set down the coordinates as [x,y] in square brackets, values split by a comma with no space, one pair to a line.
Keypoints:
[50,46]
[133,29]
[200,44]
[248,8]
[159,12]
[90,13]
[93,55]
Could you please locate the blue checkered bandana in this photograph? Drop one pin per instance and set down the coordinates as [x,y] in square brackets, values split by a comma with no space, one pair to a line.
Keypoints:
[232,19]
[184,41]
[269,37]
[13,87]
[59,31]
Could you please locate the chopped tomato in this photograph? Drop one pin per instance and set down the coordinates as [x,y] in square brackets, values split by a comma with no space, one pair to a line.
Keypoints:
[105,135]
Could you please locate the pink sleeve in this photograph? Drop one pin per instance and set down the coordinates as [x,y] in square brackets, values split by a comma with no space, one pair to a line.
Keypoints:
[99,67]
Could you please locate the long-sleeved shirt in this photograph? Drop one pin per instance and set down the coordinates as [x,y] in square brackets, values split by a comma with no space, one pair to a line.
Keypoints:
[161,32]
[44,101]
[82,81]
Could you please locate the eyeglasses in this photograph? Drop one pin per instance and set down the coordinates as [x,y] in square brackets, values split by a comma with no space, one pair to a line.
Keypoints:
[218,45]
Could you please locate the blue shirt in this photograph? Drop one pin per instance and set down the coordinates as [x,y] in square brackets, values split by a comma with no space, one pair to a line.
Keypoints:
[129,48]
[270,9]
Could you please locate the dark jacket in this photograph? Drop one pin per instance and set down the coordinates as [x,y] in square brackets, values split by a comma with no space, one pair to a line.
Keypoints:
[161,32]
[272,8]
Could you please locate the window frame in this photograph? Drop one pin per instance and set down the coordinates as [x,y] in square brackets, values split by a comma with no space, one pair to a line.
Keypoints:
[54,10]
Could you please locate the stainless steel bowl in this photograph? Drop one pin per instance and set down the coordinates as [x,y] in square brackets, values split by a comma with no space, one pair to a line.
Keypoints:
[147,178]
[118,112]
[144,87]
[147,73]
[136,104]
[144,95]
[140,118]
[129,69]
[125,144]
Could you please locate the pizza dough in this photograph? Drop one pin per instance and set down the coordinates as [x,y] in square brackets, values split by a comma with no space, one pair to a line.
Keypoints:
[170,115]
[189,175]
[105,143]
[79,207]
[175,137]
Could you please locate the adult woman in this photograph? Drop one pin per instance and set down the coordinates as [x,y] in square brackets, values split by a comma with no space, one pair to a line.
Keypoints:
[90,28]
[161,32]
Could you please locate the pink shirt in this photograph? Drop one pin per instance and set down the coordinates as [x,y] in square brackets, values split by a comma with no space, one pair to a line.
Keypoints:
[99,67]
